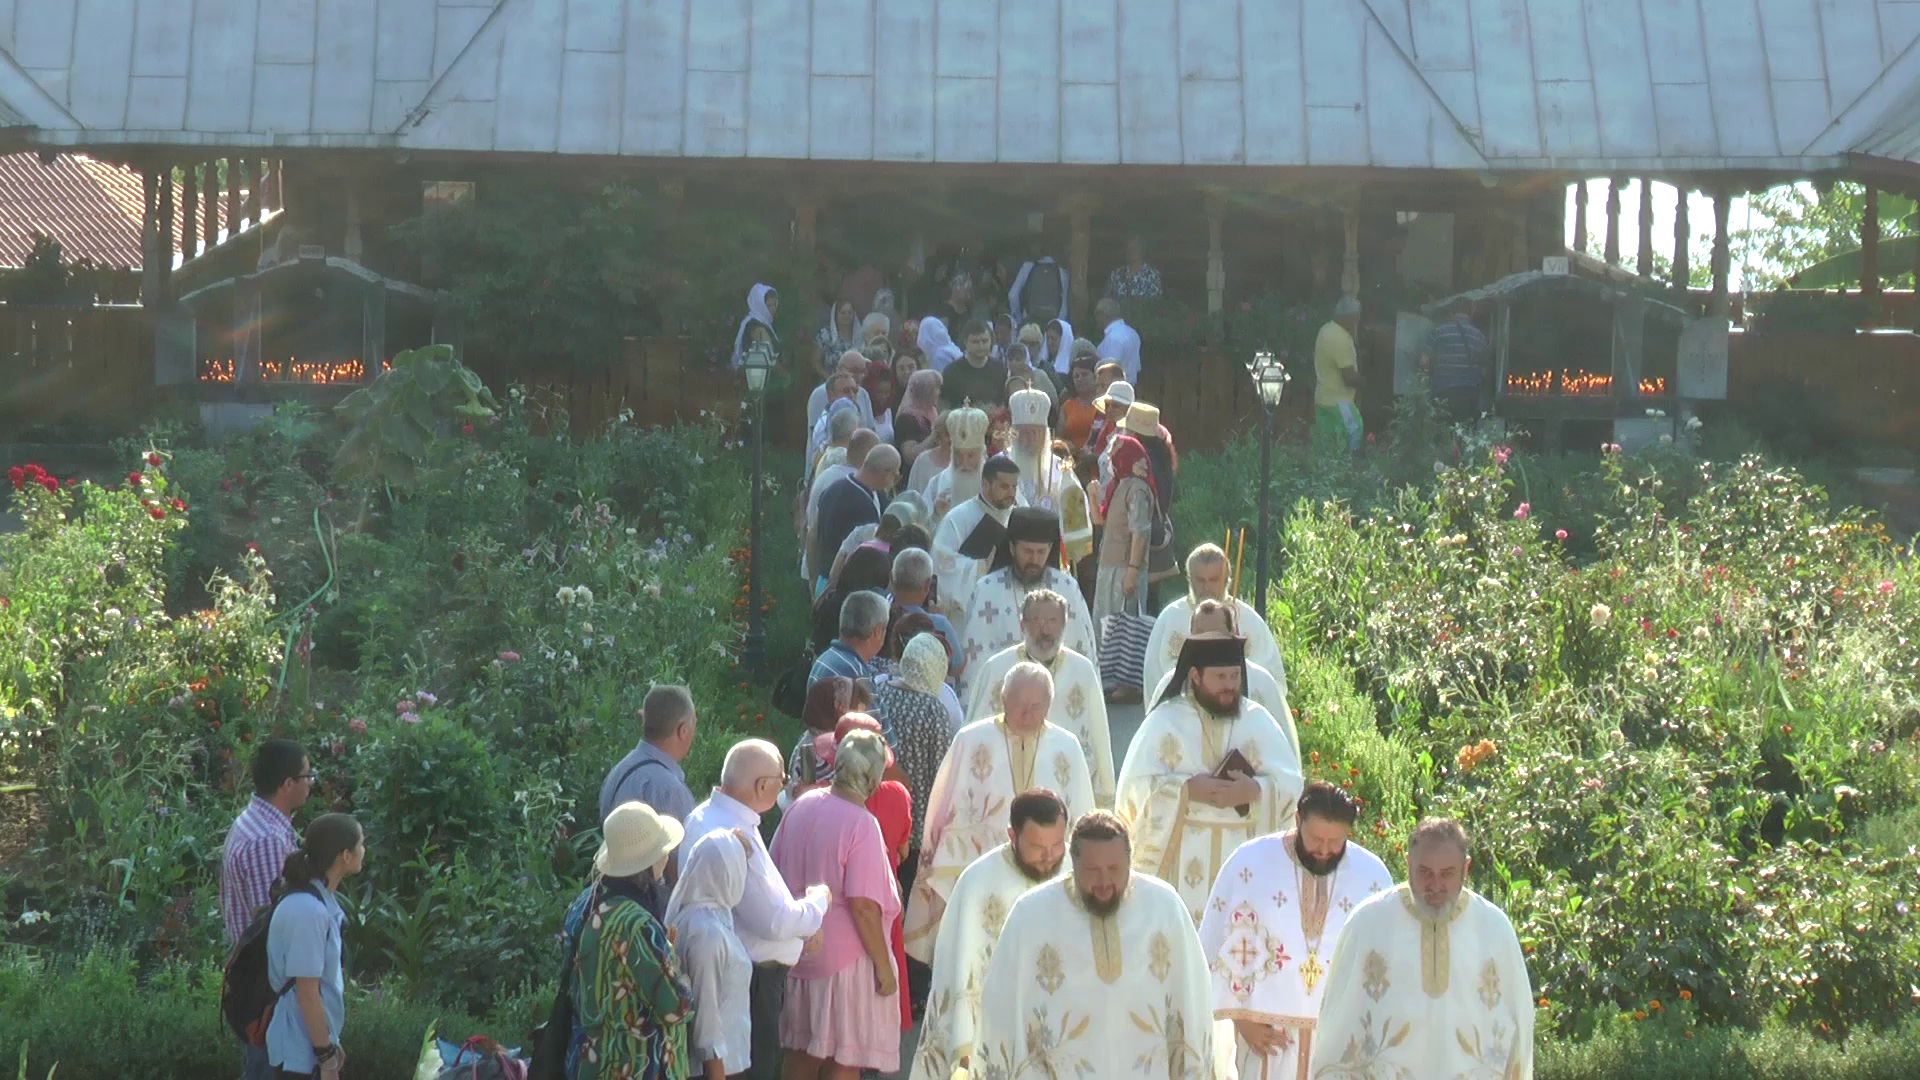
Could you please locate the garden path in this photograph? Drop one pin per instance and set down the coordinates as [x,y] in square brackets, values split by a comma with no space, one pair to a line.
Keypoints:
[1122,722]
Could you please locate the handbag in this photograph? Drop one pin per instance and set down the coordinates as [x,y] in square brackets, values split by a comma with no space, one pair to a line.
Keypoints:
[552,1039]
[1123,644]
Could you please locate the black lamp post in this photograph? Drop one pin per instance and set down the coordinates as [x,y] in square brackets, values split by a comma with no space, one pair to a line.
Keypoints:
[758,363]
[1270,379]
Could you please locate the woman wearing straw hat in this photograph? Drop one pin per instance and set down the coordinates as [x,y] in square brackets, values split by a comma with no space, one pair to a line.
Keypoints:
[840,1014]
[630,1005]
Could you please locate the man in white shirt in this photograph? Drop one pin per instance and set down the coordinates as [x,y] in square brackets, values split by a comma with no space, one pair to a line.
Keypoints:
[1119,342]
[768,920]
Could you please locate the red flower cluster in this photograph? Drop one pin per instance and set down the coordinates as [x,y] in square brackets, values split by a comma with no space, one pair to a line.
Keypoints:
[153,459]
[135,479]
[22,475]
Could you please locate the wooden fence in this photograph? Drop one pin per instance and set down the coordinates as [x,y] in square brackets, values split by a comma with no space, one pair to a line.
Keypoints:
[90,364]
[1861,388]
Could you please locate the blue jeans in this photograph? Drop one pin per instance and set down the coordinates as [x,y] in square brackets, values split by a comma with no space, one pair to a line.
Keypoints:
[254,1064]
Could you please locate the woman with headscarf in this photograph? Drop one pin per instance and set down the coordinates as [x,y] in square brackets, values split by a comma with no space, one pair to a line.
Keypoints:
[1057,346]
[1127,507]
[840,1015]
[892,807]
[937,344]
[913,423]
[763,303]
[840,334]
[908,706]
[630,1005]
[718,970]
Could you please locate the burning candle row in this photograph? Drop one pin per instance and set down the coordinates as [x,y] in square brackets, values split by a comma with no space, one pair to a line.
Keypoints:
[292,370]
[1574,383]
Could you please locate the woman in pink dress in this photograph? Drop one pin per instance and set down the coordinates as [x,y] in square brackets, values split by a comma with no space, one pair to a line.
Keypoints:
[892,806]
[840,1015]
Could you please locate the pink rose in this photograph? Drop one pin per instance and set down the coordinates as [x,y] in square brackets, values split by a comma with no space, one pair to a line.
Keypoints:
[1523,512]
[357,726]
[401,708]
[508,656]
[1560,535]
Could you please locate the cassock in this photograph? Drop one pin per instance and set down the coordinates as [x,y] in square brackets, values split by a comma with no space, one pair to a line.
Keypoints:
[1269,933]
[1262,687]
[1073,995]
[1180,841]
[1416,998]
[1079,706]
[1170,631]
[963,549]
[976,914]
[985,767]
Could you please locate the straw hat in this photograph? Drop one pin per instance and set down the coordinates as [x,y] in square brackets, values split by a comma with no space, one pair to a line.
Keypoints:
[635,839]
[1120,393]
[1142,419]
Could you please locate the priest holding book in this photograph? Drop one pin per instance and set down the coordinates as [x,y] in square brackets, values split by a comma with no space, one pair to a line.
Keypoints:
[1208,770]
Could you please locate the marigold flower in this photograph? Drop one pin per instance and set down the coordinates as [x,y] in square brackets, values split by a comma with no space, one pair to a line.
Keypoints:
[1544,1003]
[1639,1014]
[1686,995]
[1654,1004]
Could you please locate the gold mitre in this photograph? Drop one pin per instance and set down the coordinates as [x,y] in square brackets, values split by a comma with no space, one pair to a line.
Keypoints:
[1029,407]
[967,429]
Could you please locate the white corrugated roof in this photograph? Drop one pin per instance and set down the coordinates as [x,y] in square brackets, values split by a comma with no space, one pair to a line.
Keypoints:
[1596,85]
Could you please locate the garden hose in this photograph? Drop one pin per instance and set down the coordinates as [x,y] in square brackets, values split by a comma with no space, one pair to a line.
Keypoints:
[292,614]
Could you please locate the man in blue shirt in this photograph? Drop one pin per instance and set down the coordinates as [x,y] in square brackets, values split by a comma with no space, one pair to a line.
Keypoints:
[650,773]
[1455,360]
[863,631]
[912,586]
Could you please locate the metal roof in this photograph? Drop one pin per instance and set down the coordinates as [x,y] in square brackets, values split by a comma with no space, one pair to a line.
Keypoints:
[1601,85]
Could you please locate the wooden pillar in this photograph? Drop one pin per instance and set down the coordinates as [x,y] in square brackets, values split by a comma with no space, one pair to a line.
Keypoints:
[233,195]
[1580,216]
[354,248]
[150,236]
[270,193]
[1350,258]
[1645,263]
[164,294]
[1216,265]
[806,221]
[189,205]
[1722,205]
[1079,250]
[1682,242]
[1613,222]
[1870,250]
[210,206]
[250,175]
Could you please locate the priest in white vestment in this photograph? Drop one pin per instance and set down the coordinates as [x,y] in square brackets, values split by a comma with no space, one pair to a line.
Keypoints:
[1265,690]
[1207,580]
[1099,976]
[1045,480]
[1271,926]
[1207,771]
[965,543]
[961,480]
[1078,704]
[1028,560]
[1034,854]
[1428,979]
[988,763]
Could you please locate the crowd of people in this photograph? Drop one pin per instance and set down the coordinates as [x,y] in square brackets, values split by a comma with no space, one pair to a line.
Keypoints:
[957,849]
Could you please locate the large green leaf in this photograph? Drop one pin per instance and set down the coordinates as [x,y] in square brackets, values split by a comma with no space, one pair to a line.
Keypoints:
[1845,269]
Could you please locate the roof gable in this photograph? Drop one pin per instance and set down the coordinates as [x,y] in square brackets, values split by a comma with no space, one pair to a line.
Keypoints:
[91,207]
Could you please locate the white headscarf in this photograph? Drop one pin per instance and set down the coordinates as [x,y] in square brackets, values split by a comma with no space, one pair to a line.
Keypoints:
[712,880]
[756,313]
[1061,359]
[937,345]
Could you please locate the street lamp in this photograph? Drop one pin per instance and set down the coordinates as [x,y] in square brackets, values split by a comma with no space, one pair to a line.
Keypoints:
[1270,379]
[758,363]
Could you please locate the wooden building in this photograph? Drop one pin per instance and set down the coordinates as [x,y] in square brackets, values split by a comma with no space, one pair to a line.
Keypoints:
[1381,147]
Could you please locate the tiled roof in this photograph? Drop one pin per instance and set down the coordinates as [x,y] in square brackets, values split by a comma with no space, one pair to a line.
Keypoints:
[91,207]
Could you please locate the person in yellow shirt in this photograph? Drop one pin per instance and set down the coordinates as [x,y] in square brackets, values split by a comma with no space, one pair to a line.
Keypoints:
[1336,379]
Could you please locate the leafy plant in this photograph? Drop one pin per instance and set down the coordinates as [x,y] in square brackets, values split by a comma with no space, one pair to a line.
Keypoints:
[391,423]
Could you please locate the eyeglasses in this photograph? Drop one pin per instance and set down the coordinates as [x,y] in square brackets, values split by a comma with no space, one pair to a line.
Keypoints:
[309,777]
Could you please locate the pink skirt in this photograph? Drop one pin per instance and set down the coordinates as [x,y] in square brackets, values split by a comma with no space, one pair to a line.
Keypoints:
[840,1018]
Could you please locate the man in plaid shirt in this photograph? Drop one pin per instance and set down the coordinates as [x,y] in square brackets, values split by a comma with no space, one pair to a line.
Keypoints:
[257,848]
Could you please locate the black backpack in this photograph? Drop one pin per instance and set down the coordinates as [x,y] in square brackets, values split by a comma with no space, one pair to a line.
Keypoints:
[247,999]
[1040,298]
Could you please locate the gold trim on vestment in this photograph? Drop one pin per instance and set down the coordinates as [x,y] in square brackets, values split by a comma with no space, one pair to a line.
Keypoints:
[1107,956]
[1022,750]
[1436,944]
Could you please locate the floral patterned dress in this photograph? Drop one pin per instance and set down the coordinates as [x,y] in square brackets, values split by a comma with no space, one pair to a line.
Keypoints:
[630,1004]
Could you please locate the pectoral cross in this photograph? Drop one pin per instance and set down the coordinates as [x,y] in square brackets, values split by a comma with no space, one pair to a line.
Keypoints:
[1311,971]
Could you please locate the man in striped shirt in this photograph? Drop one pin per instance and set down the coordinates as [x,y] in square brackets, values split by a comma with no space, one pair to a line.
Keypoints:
[1455,360]
[257,848]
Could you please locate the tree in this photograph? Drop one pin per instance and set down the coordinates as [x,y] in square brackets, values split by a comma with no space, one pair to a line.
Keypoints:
[1811,237]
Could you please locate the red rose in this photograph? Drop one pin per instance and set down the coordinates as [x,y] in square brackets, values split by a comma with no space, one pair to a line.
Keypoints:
[153,460]
[466,429]
[156,513]
[253,547]
[178,504]
[72,481]
[35,472]
[135,479]
[17,476]
[50,483]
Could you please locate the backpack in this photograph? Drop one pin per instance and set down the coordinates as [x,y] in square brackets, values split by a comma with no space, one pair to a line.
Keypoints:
[247,1000]
[1040,298]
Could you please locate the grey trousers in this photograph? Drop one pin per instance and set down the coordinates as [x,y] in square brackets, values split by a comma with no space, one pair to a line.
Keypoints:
[765,995]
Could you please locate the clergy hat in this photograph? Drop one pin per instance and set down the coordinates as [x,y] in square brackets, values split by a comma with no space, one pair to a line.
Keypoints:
[1205,650]
[967,429]
[1029,407]
[1030,525]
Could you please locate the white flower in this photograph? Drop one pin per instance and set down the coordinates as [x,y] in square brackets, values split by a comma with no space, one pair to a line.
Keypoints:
[1701,633]
[1666,440]
[584,595]
[112,613]
[564,594]
[1600,614]
[652,590]
[631,531]
[28,918]
[586,627]
[1694,424]
[276,520]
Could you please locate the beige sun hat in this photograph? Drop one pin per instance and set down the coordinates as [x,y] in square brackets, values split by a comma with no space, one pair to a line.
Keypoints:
[1142,419]
[635,839]
[1119,393]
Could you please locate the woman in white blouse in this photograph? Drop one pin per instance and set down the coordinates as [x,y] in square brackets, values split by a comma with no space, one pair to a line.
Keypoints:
[715,963]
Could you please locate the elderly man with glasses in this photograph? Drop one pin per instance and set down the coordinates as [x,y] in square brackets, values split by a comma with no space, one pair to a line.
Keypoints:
[770,922]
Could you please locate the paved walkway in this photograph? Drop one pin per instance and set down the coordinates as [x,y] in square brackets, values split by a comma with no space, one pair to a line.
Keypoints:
[1122,722]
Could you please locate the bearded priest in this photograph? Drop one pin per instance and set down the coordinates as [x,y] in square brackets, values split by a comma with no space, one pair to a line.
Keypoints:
[1212,616]
[1271,926]
[1078,704]
[961,480]
[965,544]
[1029,560]
[1034,854]
[1207,771]
[1046,481]
[1100,975]
[988,763]
[1428,978]
[1207,580]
